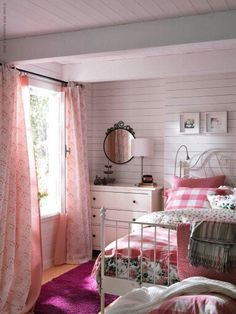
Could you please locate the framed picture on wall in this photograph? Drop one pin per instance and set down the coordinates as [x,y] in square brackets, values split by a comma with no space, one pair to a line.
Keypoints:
[189,123]
[216,122]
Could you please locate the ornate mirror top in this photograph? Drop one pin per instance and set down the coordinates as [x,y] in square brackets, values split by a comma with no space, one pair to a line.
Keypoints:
[120,125]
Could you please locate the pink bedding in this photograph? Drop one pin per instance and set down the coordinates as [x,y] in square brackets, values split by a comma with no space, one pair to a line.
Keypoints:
[195,295]
[173,217]
[147,252]
[186,270]
[142,262]
[197,304]
[126,264]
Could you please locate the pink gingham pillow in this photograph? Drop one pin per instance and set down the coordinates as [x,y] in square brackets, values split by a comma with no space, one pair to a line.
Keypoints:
[179,198]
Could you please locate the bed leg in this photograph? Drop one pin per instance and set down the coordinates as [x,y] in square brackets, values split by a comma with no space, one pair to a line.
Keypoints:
[102,217]
[102,300]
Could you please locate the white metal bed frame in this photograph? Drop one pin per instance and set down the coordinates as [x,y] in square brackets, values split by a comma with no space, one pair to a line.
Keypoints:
[212,162]
[118,286]
[209,163]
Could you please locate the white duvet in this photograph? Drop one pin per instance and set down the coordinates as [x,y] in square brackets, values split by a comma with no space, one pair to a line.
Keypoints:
[143,300]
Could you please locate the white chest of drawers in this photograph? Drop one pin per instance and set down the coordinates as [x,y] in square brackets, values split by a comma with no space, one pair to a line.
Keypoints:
[121,202]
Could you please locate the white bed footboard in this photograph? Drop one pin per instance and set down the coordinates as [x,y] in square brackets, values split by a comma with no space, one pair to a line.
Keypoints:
[120,286]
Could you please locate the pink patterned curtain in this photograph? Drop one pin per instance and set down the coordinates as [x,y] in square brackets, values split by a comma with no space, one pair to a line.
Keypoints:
[20,242]
[75,225]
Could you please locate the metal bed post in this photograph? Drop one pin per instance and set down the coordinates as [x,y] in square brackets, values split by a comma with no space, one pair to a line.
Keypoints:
[118,286]
[168,256]
[155,254]
[129,249]
[141,257]
[102,296]
[116,249]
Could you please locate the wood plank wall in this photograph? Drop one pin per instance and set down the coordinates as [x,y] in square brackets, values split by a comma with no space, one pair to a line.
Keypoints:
[152,108]
[208,93]
[140,105]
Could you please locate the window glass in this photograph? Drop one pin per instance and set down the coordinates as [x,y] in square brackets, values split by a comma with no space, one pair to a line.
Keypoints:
[47,124]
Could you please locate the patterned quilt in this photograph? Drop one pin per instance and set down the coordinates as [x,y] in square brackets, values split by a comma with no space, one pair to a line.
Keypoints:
[171,218]
[140,262]
[144,264]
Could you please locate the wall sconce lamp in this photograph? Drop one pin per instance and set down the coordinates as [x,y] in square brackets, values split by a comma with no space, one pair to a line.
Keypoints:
[176,158]
[141,147]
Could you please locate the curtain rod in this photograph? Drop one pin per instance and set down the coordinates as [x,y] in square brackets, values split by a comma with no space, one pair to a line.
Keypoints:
[43,76]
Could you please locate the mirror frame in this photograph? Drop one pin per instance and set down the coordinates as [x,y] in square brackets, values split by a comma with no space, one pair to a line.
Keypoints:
[117,126]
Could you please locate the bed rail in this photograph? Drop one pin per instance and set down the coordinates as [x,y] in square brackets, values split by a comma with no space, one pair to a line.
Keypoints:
[121,286]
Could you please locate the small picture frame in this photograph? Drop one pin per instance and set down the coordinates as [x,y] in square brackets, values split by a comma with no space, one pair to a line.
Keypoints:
[189,123]
[216,122]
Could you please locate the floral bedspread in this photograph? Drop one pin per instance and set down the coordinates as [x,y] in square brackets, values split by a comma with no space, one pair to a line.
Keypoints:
[142,263]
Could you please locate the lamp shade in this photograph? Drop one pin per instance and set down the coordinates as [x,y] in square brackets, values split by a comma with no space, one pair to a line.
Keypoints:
[141,147]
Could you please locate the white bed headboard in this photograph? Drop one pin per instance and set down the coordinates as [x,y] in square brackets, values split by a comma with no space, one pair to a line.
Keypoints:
[211,163]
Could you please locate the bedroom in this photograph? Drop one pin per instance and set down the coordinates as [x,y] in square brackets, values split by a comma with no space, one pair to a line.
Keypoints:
[181,78]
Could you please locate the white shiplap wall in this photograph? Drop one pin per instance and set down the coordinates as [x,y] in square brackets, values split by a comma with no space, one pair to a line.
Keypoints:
[198,94]
[140,105]
[152,108]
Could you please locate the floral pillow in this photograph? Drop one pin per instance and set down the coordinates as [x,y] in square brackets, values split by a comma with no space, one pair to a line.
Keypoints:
[222,201]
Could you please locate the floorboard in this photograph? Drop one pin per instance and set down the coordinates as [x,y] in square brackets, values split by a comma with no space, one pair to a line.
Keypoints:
[56,271]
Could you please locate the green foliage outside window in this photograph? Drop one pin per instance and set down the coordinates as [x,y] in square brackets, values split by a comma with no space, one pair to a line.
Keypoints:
[39,108]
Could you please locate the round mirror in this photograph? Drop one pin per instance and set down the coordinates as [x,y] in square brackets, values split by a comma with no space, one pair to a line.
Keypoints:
[117,143]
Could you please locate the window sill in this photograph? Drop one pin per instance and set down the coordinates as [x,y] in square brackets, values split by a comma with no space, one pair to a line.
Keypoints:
[48,217]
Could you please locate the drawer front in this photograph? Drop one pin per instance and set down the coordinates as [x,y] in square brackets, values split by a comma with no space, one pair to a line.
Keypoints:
[116,215]
[110,235]
[124,201]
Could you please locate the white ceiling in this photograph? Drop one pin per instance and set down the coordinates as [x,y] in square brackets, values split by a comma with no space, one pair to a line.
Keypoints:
[24,20]
[35,17]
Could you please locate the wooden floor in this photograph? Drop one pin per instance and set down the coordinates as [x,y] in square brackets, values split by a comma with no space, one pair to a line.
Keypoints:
[56,271]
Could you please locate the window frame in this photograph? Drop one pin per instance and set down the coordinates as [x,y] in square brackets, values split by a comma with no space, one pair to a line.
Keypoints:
[40,87]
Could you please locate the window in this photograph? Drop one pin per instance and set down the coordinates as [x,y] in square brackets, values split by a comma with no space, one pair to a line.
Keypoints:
[47,124]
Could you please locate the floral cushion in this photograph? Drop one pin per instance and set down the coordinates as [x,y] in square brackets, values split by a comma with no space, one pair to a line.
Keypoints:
[222,201]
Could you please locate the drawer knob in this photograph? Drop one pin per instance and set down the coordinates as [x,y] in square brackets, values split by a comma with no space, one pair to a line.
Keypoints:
[134,201]
[94,216]
[134,219]
[94,198]
[94,235]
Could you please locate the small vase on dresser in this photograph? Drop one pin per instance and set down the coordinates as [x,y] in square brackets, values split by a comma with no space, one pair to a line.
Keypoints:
[122,202]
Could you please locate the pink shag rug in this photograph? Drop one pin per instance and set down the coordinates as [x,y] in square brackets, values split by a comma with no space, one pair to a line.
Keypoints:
[74,292]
